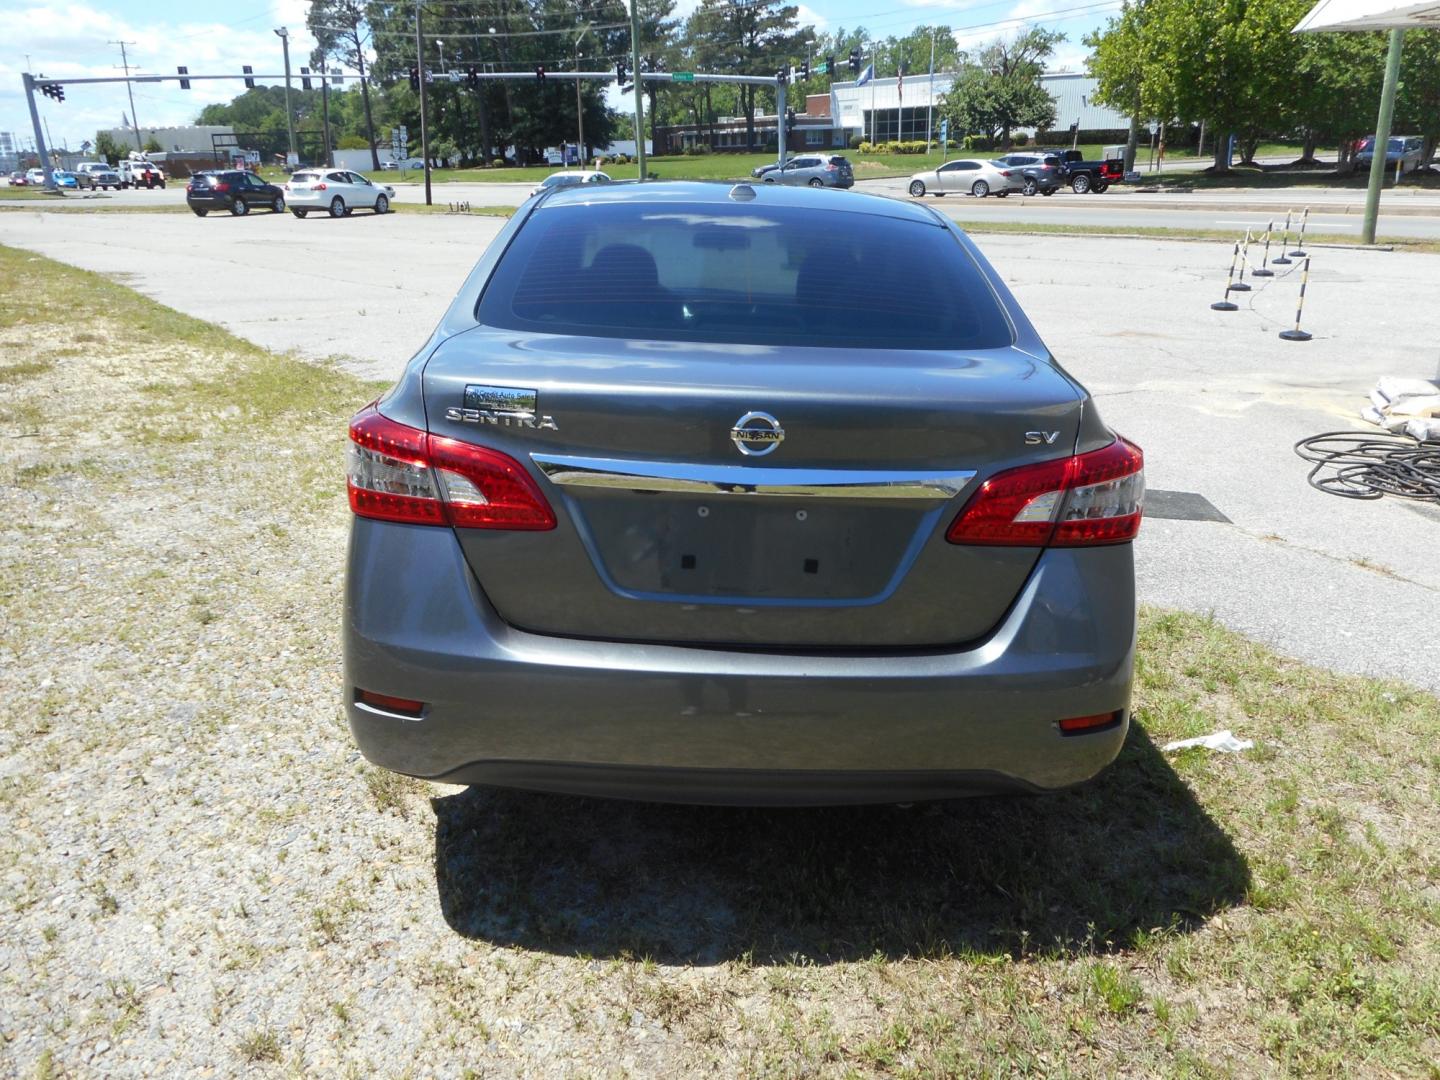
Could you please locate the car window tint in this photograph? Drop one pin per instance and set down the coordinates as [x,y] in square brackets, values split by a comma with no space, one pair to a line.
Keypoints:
[305,177]
[338,178]
[743,274]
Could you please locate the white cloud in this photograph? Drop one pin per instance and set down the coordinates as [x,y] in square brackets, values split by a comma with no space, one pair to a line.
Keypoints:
[64,40]
[808,16]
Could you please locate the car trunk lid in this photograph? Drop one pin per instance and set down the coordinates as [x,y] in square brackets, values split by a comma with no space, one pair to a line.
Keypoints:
[830,535]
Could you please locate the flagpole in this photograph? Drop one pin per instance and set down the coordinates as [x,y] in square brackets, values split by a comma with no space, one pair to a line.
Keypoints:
[930,104]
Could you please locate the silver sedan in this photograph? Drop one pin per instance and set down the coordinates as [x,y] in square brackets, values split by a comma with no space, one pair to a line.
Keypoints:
[973,176]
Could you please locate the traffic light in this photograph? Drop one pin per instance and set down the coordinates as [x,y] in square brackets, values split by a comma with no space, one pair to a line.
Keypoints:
[414,79]
[53,90]
[830,66]
[249,82]
[620,71]
[472,78]
[804,71]
[336,79]
[540,72]
[782,76]
[855,58]
[184,83]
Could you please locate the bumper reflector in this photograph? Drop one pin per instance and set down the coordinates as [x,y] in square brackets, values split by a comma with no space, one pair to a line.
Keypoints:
[404,706]
[1077,725]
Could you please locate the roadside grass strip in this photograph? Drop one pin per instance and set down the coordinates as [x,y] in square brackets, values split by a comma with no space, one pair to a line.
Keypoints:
[198,874]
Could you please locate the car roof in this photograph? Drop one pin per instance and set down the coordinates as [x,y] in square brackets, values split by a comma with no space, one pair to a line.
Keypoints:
[712,192]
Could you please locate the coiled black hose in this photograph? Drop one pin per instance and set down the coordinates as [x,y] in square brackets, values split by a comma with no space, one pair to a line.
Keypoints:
[1367,465]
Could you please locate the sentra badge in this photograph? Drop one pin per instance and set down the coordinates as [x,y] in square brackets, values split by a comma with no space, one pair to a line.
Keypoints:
[509,406]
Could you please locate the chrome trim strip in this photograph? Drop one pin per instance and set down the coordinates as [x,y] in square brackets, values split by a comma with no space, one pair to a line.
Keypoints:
[665,476]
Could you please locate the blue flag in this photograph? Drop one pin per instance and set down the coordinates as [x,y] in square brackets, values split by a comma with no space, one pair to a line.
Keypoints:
[866,75]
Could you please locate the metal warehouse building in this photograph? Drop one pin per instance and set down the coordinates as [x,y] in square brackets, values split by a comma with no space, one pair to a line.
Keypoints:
[902,107]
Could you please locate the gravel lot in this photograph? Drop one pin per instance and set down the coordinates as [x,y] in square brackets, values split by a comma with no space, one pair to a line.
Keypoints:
[199,876]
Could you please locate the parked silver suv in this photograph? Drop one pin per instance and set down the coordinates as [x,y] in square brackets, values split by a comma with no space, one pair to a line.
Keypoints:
[814,170]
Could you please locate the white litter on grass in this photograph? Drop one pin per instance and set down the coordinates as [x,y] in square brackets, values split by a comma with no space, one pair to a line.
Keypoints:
[1224,741]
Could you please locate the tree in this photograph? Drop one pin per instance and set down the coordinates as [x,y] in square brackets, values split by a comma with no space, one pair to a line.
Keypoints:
[749,36]
[1336,90]
[107,149]
[152,146]
[1000,89]
[1116,62]
[1418,102]
[1230,64]
[340,29]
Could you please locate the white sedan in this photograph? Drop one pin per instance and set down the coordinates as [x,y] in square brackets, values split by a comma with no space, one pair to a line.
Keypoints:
[570,179]
[971,176]
[335,192]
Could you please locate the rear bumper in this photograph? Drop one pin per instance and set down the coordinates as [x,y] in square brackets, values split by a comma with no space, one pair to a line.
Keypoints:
[711,725]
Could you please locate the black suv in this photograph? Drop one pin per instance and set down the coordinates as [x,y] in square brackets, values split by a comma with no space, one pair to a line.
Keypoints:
[232,190]
[1044,171]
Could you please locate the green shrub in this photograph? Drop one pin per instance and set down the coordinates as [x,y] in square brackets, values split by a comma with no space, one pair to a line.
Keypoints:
[498,163]
[1022,139]
[857,143]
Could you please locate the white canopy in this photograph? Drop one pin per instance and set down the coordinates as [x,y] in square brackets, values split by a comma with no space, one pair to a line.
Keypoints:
[1370,15]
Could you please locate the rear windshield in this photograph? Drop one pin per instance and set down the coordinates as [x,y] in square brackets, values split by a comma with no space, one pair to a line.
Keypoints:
[743,274]
[305,177]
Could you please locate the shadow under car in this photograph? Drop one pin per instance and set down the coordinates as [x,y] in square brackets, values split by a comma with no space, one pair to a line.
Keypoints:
[1072,872]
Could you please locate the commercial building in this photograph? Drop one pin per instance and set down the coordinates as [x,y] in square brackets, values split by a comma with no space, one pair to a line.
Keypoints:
[884,110]
[192,139]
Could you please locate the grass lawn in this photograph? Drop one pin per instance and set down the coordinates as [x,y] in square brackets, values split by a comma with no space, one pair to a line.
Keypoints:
[26,194]
[199,871]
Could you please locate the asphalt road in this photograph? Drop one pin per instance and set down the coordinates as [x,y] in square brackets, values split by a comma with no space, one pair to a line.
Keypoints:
[1406,212]
[1216,399]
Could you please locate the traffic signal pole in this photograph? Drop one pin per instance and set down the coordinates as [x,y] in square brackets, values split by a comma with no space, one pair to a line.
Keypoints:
[39,134]
[424,130]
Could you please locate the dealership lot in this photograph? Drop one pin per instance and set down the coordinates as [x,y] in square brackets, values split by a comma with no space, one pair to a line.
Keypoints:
[1215,399]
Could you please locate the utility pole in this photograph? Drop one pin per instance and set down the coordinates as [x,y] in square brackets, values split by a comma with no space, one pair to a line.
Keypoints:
[1382,136]
[129,89]
[284,34]
[424,130]
[639,98]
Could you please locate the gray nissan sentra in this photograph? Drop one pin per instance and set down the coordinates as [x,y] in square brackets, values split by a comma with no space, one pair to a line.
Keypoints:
[747,494]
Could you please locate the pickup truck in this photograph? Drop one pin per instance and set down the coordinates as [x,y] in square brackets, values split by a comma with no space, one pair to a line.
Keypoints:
[1083,176]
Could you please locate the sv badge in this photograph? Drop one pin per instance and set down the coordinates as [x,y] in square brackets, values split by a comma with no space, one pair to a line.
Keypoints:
[1040,438]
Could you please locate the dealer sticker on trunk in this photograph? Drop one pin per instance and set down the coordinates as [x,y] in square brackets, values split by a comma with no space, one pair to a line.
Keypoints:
[507,405]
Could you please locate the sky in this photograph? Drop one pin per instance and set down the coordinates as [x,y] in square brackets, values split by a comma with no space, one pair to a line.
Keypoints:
[60,39]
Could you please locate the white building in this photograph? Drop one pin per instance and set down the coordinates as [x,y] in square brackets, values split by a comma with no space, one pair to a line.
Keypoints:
[192,139]
[902,108]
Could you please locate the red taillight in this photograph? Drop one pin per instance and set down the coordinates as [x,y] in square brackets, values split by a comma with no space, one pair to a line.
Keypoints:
[1004,172]
[318,187]
[400,473]
[221,186]
[1093,498]
[831,167]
